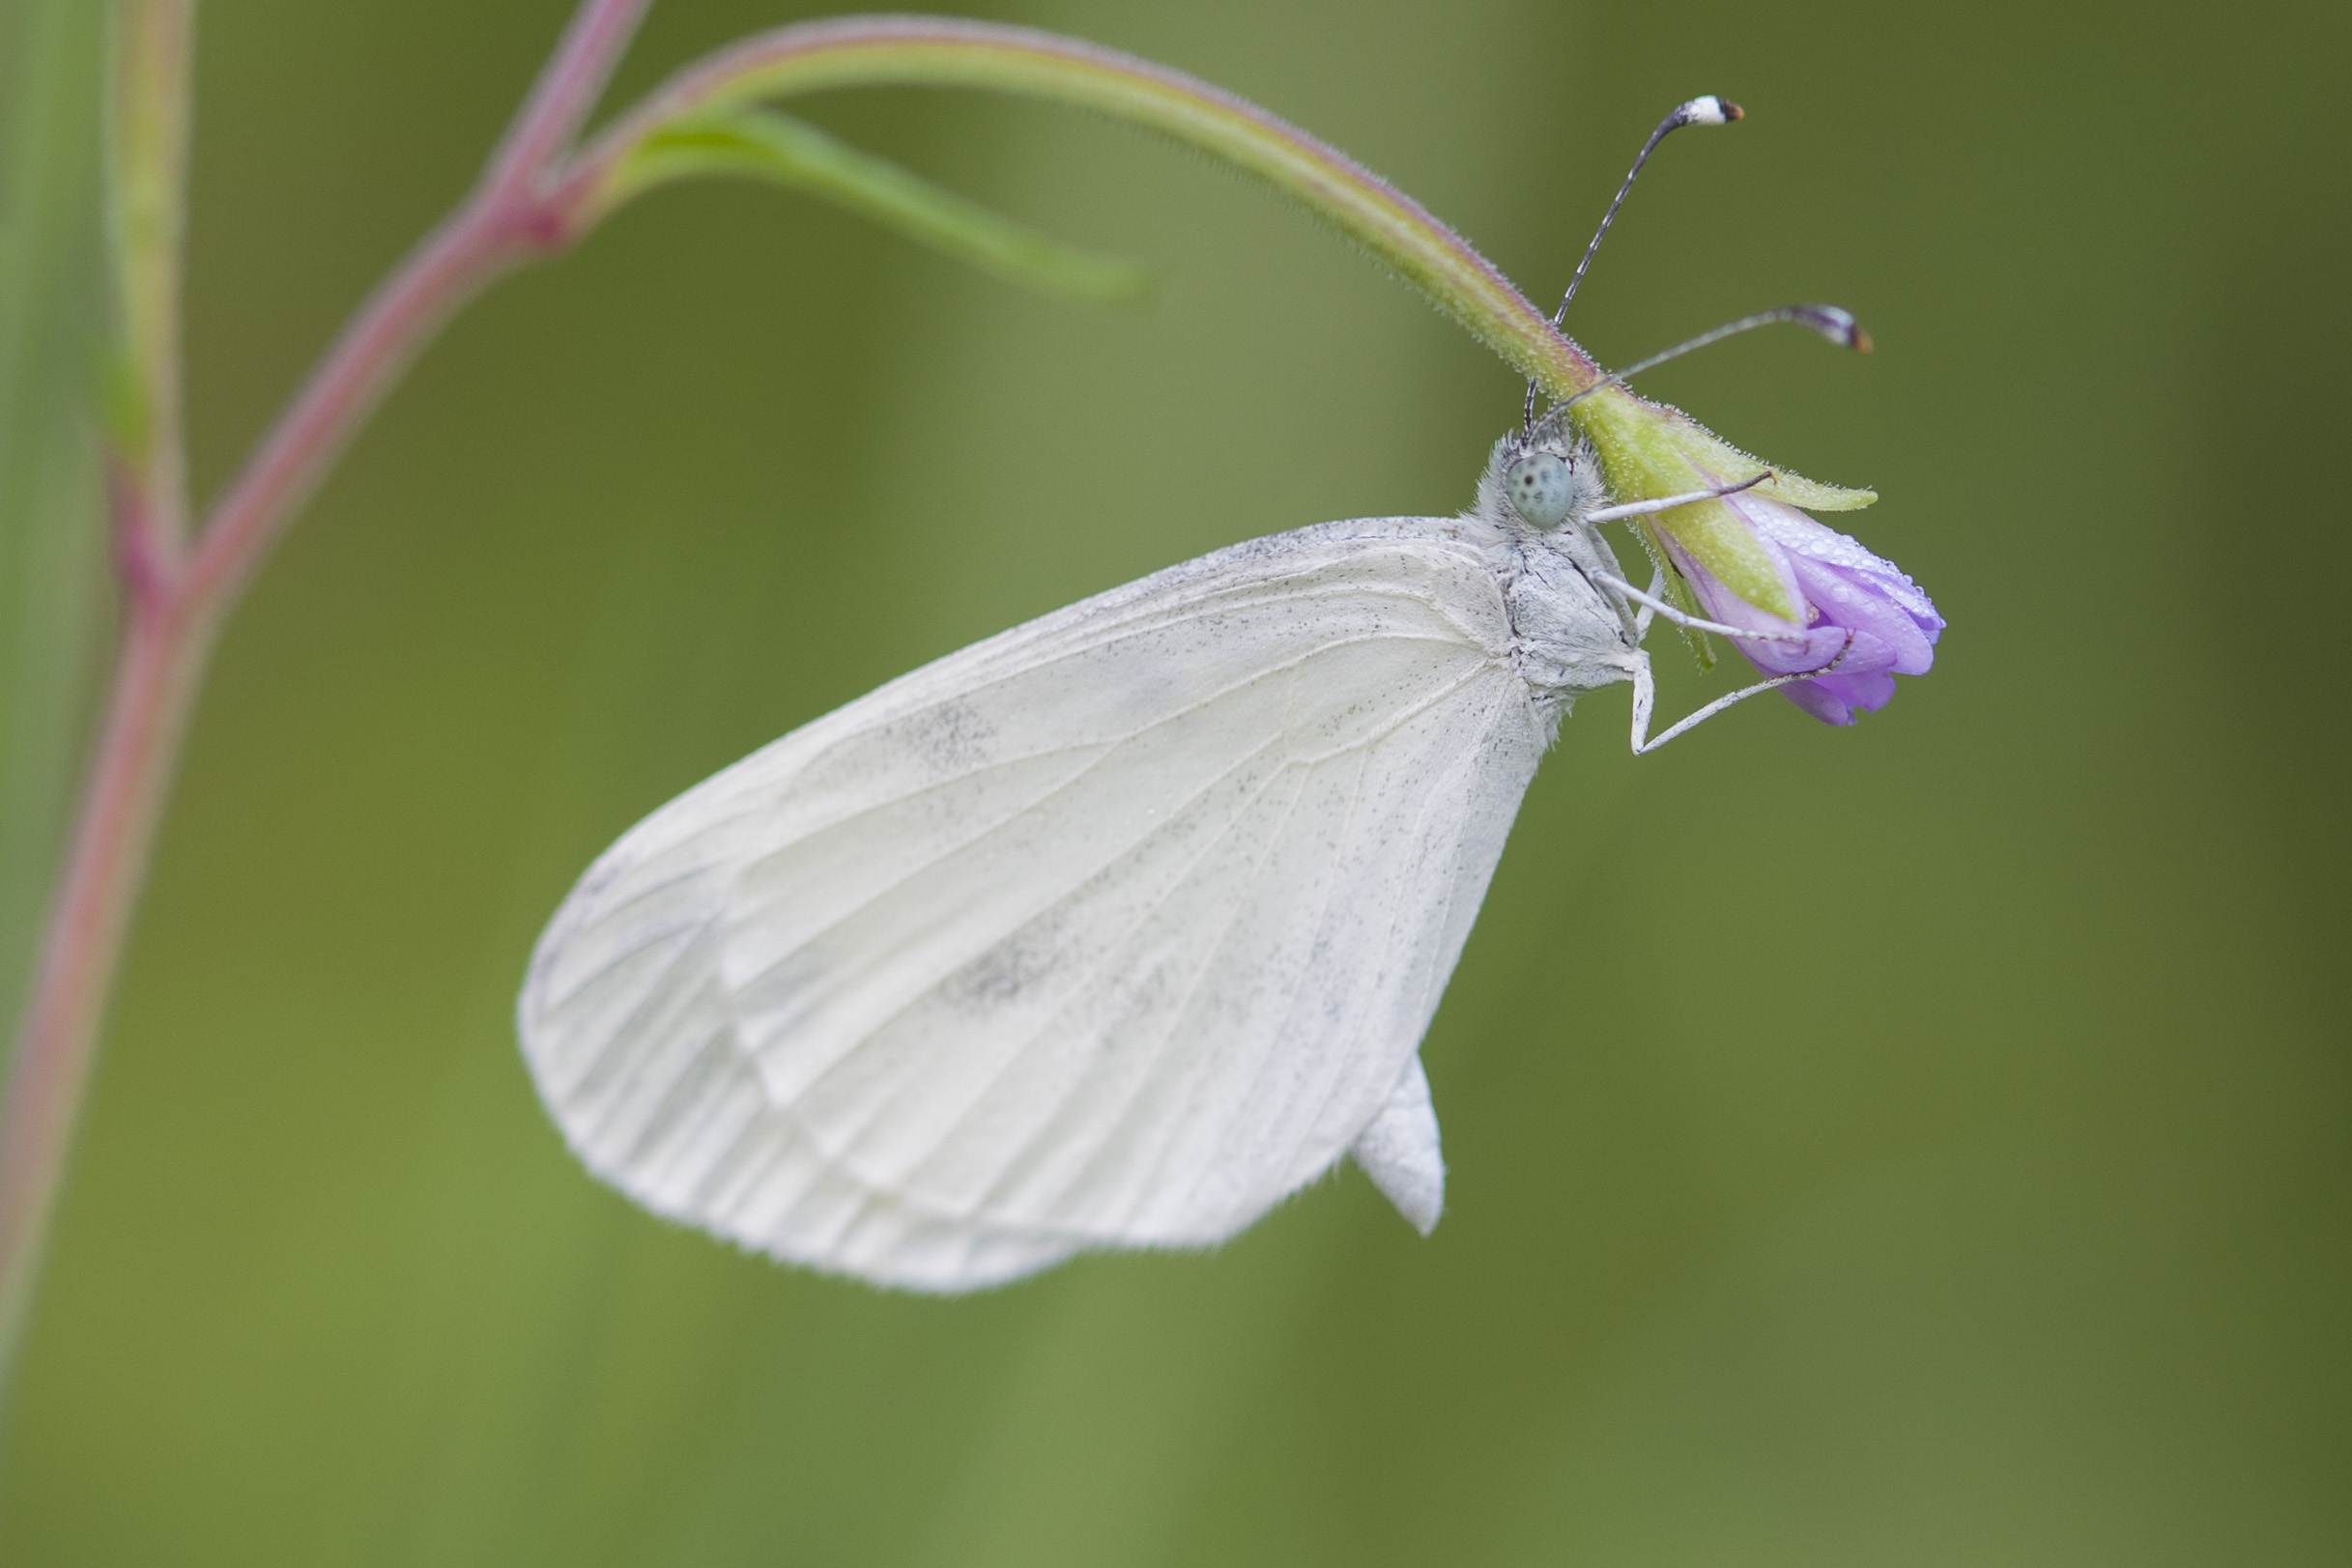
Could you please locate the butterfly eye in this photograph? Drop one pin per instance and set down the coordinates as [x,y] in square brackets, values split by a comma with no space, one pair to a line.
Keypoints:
[1540,488]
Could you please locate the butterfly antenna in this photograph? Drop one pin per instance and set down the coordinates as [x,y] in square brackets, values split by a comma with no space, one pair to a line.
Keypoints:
[1837,326]
[1710,110]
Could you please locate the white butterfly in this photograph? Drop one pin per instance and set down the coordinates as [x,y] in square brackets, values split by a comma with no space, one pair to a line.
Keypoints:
[1109,932]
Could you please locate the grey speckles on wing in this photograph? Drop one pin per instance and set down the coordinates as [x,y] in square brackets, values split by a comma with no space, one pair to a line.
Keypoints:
[1112,930]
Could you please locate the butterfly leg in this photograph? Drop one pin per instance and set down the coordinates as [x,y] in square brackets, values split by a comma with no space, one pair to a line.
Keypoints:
[1653,604]
[1645,698]
[1658,585]
[1666,503]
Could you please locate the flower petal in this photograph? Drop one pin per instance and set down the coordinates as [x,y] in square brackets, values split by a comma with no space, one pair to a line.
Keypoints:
[1835,698]
[1841,601]
[1846,584]
[1854,602]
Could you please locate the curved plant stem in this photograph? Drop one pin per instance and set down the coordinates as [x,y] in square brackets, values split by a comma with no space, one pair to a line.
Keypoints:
[176,597]
[933,51]
[155,674]
[507,220]
[530,202]
[155,680]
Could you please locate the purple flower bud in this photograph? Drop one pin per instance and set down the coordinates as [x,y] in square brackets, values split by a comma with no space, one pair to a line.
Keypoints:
[1844,589]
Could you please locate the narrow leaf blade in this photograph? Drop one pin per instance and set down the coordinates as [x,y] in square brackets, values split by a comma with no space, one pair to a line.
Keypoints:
[764,145]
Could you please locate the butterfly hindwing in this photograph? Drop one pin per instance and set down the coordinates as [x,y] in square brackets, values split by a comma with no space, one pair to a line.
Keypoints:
[1111,931]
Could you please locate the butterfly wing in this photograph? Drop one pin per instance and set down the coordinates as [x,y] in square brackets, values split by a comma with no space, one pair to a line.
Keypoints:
[1109,931]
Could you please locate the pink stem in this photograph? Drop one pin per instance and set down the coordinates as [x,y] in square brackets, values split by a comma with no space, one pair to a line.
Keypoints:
[176,605]
[506,221]
[566,90]
[480,241]
[162,664]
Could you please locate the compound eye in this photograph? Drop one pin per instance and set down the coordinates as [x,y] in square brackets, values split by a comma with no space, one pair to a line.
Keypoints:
[1540,488]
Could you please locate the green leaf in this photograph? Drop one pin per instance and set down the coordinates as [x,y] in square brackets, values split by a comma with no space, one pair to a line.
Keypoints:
[54,598]
[764,145]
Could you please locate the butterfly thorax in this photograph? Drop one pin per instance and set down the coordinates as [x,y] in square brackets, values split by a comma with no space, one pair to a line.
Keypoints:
[1569,634]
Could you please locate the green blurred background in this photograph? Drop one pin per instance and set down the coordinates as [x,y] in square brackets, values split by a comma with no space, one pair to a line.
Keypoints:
[1922,1144]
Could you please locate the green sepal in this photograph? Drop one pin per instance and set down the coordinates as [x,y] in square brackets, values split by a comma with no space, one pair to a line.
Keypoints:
[765,145]
[1651,449]
[1677,593]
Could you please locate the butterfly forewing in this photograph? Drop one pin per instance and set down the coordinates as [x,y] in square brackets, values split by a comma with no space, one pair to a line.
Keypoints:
[1111,931]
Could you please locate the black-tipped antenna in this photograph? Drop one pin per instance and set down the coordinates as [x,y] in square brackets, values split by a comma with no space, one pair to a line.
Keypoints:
[1837,326]
[1709,110]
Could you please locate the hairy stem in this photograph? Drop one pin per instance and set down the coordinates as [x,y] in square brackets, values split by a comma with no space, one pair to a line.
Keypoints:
[928,52]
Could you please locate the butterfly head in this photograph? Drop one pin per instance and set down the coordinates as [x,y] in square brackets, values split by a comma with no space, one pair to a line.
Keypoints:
[1540,478]
[1541,488]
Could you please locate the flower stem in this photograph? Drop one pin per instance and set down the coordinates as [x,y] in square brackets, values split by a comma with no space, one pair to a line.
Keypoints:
[931,51]
[177,596]
[507,220]
[157,668]
[450,266]
[155,680]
